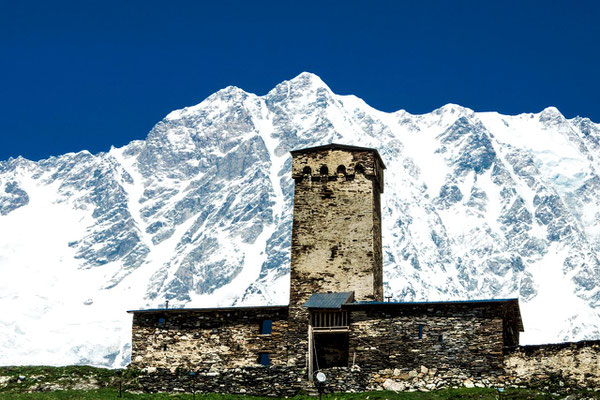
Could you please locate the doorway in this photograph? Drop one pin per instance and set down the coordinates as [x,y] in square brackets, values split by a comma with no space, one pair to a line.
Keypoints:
[331,350]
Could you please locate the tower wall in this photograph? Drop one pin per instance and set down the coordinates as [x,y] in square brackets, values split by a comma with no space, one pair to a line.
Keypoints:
[336,233]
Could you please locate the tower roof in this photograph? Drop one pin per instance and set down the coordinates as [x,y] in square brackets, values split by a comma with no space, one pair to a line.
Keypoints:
[336,146]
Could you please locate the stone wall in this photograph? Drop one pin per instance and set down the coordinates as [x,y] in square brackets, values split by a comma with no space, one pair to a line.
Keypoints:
[207,340]
[461,344]
[466,337]
[258,381]
[557,367]
[336,231]
[570,364]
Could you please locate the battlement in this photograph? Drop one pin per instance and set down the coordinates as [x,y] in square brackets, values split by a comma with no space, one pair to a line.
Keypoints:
[335,162]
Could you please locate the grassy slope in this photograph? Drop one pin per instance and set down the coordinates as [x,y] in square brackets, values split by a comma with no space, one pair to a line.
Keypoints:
[87,383]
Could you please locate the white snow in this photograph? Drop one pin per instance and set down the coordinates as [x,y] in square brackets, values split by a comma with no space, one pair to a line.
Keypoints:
[58,310]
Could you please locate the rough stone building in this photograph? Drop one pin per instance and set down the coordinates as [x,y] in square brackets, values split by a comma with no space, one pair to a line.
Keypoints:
[336,321]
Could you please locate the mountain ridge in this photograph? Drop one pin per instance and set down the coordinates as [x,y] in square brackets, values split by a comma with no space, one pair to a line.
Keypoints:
[199,213]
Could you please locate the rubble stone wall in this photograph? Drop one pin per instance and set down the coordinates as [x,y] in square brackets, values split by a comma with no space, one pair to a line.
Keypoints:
[257,380]
[573,364]
[462,337]
[336,231]
[208,341]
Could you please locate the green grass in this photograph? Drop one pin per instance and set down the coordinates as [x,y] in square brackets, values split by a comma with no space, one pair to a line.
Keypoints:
[45,379]
[445,394]
[89,383]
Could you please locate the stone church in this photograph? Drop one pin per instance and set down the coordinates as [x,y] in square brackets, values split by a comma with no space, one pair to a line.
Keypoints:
[337,321]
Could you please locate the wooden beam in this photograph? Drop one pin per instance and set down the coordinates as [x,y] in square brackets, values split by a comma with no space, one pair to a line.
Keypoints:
[310,353]
[331,330]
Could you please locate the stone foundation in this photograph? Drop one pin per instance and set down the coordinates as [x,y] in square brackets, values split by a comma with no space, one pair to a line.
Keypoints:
[258,381]
[552,367]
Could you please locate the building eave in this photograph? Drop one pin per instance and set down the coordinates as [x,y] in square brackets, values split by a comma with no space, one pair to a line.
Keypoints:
[207,309]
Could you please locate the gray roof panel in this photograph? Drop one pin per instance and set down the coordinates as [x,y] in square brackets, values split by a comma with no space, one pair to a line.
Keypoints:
[329,300]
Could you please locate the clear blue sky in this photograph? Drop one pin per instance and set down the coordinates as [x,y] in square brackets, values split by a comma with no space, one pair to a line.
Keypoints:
[91,74]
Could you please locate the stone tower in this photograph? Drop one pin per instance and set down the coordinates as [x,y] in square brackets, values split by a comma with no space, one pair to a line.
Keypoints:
[336,233]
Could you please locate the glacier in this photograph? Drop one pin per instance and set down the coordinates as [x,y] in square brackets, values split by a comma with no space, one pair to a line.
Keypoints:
[476,205]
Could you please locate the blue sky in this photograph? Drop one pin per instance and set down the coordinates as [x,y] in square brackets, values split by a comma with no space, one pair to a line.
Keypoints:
[91,74]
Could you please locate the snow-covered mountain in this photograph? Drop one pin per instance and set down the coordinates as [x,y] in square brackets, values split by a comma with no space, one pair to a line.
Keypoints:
[476,205]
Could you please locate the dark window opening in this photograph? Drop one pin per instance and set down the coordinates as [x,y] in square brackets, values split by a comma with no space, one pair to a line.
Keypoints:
[330,350]
[263,359]
[420,331]
[164,347]
[324,170]
[441,338]
[359,169]
[341,170]
[334,252]
[306,171]
[266,326]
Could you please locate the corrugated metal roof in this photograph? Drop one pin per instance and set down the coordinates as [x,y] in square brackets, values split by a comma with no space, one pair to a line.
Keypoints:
[329,300]
[162,310]
[435,302]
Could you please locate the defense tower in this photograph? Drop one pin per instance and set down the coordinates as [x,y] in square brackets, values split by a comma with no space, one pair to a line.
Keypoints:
[336,233]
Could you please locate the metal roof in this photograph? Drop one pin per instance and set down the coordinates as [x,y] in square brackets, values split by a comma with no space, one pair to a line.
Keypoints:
[329,300]
[336,146]
[161,310]
[433,302]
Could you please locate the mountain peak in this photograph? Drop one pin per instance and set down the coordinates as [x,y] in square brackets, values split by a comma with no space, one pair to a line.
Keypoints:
[551,114]
[452,108]
[308,80]
[227,94]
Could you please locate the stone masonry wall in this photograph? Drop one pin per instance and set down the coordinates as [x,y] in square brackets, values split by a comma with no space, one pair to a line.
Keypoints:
[385,352]
[207,341]
[571,364]
[336,232]
[560,366]
[258,381]
[454,336]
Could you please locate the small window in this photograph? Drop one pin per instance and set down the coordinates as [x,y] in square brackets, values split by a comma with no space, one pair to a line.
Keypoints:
[263,359]
[324,170]
[341,170]
[420,331]
[441,338]
[359,169]
[266,326]
[306,171]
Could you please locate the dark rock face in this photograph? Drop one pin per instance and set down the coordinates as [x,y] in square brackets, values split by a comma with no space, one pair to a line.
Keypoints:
[12,198]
